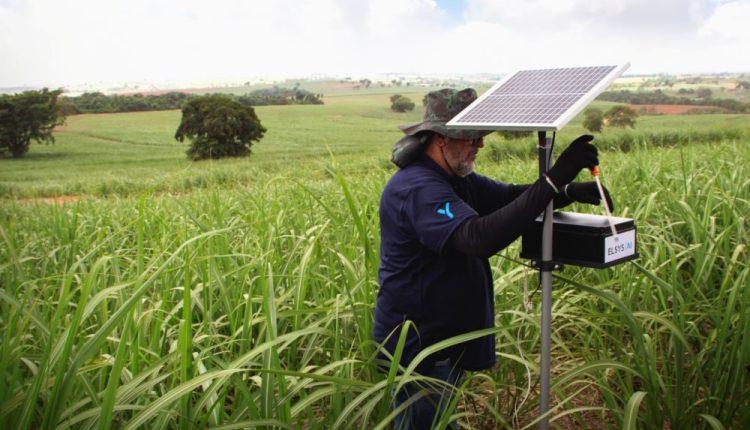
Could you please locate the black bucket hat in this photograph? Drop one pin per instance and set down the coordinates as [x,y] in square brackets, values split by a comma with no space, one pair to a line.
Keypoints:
[442,106]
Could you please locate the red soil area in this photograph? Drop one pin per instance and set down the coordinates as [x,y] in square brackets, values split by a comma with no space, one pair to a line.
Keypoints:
[59,200]
[672,109]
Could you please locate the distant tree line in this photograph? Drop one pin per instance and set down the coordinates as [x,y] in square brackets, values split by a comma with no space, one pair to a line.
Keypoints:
[659,97]
[279,96]
[96,102]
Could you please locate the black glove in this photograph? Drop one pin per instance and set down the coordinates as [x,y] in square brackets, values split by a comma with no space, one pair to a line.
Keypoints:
[579,155]
[586,192]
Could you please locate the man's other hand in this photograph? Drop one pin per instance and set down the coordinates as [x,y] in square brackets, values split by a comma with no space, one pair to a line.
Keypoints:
[579,155]
[587,192]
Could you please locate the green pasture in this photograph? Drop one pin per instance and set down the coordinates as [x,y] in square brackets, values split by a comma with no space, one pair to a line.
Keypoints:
[126,154]
[239,293]
[104,154]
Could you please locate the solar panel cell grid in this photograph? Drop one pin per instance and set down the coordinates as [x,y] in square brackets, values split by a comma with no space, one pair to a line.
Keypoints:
[527,108]
[554,81]
[537,97]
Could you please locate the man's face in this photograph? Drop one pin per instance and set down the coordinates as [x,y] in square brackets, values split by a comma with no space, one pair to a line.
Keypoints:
[461,154]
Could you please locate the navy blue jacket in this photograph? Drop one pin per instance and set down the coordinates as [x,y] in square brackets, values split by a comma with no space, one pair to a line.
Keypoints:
[422,278]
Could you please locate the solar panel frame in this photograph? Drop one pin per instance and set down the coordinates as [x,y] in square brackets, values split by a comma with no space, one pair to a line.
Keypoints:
[552,104]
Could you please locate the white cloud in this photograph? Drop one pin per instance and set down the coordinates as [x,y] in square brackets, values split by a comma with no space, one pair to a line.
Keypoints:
[730,21]
[50,42]
[653,35]
[600,15]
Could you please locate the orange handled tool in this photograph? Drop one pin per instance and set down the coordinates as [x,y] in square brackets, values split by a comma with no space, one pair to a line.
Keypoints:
[595,174]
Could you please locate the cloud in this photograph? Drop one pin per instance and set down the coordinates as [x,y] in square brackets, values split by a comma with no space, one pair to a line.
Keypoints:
[729,21]
[653,35]
[49,42]
[609,15]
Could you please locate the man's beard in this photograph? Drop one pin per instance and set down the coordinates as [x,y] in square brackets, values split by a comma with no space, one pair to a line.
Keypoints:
[461,168]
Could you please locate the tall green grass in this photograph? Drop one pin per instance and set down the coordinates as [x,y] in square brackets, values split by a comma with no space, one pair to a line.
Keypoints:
[251,307]
[618,140]
[664,339]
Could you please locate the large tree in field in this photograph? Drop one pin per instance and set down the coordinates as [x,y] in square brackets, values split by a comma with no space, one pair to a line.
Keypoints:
[621,116]
[593,119]
[28,116]
[218,127]
[400,103]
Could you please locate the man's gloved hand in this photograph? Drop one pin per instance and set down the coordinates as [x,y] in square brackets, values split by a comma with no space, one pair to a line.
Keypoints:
[586,192]
[579,155]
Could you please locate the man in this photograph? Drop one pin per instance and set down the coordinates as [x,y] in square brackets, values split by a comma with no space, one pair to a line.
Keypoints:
[439,224]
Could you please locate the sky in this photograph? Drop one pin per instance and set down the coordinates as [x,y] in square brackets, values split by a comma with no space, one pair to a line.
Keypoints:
[67,42]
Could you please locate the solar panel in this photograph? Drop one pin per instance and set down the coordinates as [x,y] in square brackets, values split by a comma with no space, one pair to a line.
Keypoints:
[540,100]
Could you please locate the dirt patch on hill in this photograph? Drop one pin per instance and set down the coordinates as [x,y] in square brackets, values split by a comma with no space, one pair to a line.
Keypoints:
[673,109]
[59,200]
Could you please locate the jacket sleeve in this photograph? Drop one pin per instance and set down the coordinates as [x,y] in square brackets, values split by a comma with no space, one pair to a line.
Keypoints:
[484,236]
[495,195]
[560,200]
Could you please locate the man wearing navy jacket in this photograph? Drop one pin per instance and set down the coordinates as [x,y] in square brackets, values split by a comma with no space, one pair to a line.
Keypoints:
[439,224]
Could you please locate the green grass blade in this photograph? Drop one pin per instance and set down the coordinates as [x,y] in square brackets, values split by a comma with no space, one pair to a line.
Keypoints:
[108,401]
[158,406]
[630,413]
[712,421]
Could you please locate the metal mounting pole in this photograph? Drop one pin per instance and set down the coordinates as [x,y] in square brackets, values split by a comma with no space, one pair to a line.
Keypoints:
[545,268]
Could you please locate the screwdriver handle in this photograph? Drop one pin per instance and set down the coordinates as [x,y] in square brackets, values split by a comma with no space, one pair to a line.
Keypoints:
[595,174]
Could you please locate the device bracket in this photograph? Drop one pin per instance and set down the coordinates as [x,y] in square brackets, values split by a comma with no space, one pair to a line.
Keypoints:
[547,266]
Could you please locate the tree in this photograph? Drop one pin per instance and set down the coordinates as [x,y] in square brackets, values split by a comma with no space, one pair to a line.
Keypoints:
[703,92]
[28,116]
[401,104]
[621,116]
[306,97]
[593,120]
[218,127]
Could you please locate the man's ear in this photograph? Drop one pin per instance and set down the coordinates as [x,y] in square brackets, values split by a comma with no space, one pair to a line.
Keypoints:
[442,140]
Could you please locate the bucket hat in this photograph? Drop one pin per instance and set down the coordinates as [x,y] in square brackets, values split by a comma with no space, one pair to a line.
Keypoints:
[441,106]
